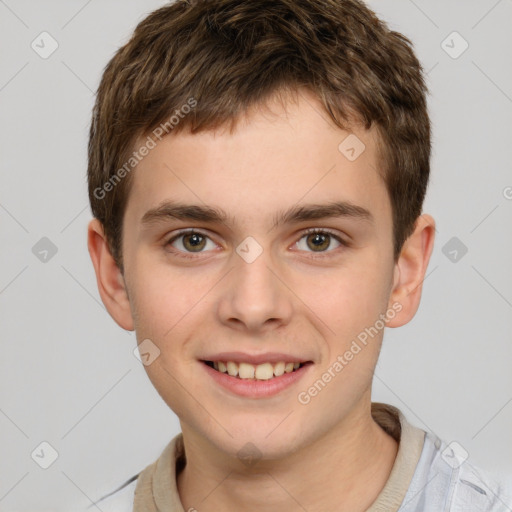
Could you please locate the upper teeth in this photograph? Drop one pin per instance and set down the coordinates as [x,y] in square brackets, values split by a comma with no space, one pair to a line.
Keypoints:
[263,371]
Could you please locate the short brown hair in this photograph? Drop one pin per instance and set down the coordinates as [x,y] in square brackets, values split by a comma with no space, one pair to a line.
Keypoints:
[229,55]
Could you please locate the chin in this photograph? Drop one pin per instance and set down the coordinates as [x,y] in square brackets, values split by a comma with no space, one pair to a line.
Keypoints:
[251,442]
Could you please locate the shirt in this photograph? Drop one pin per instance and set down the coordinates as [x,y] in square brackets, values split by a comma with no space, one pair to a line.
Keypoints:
[427,476]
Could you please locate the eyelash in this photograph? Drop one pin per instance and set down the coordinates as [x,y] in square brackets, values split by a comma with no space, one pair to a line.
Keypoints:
[309,231]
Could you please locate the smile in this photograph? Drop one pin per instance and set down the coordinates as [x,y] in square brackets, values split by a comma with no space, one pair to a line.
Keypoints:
[264,371]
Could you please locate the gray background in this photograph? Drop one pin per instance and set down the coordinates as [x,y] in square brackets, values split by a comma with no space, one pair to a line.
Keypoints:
[68,373]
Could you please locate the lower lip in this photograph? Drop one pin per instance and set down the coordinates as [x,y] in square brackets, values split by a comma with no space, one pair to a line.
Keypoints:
[252,388]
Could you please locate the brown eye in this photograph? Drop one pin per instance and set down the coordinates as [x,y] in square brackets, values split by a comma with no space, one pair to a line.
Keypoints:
[319,241]
[194,242]
[191,242]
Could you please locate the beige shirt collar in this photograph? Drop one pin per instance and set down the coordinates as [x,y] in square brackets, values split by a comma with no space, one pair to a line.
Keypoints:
[157,490]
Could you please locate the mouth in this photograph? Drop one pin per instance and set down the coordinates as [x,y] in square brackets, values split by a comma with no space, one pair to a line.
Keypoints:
[256,372]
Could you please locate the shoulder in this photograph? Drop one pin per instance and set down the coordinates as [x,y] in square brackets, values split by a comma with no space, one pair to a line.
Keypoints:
[446,481]
[119,500]
[474,487]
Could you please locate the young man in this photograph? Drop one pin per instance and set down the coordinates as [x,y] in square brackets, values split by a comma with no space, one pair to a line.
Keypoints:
[257,172]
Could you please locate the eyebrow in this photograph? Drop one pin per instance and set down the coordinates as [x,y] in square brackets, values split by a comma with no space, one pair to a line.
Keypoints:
[174,210]
[322,211]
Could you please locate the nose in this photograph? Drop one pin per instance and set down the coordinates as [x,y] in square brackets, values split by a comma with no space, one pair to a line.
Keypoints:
[255,298]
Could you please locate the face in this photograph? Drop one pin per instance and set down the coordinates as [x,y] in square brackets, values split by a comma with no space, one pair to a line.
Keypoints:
[264,269]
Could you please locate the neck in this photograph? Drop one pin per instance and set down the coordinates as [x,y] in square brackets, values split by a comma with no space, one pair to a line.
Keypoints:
[345,469]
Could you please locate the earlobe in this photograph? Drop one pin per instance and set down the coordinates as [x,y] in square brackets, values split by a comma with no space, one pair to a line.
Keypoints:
[410,270]
[110,281]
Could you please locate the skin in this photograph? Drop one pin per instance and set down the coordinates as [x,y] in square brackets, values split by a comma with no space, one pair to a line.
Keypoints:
[324,456]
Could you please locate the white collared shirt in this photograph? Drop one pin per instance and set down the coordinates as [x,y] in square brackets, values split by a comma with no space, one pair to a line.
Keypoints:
[427,476]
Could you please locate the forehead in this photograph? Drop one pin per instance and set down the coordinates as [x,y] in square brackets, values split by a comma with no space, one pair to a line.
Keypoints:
[277,156]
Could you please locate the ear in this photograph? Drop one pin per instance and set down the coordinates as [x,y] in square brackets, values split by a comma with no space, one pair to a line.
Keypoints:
[111,284]
[410,270]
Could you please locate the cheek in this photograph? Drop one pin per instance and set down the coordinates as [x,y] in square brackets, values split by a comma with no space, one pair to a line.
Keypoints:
[349,306]
[170,308]
[168,305]
[349,299]
[163,297]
